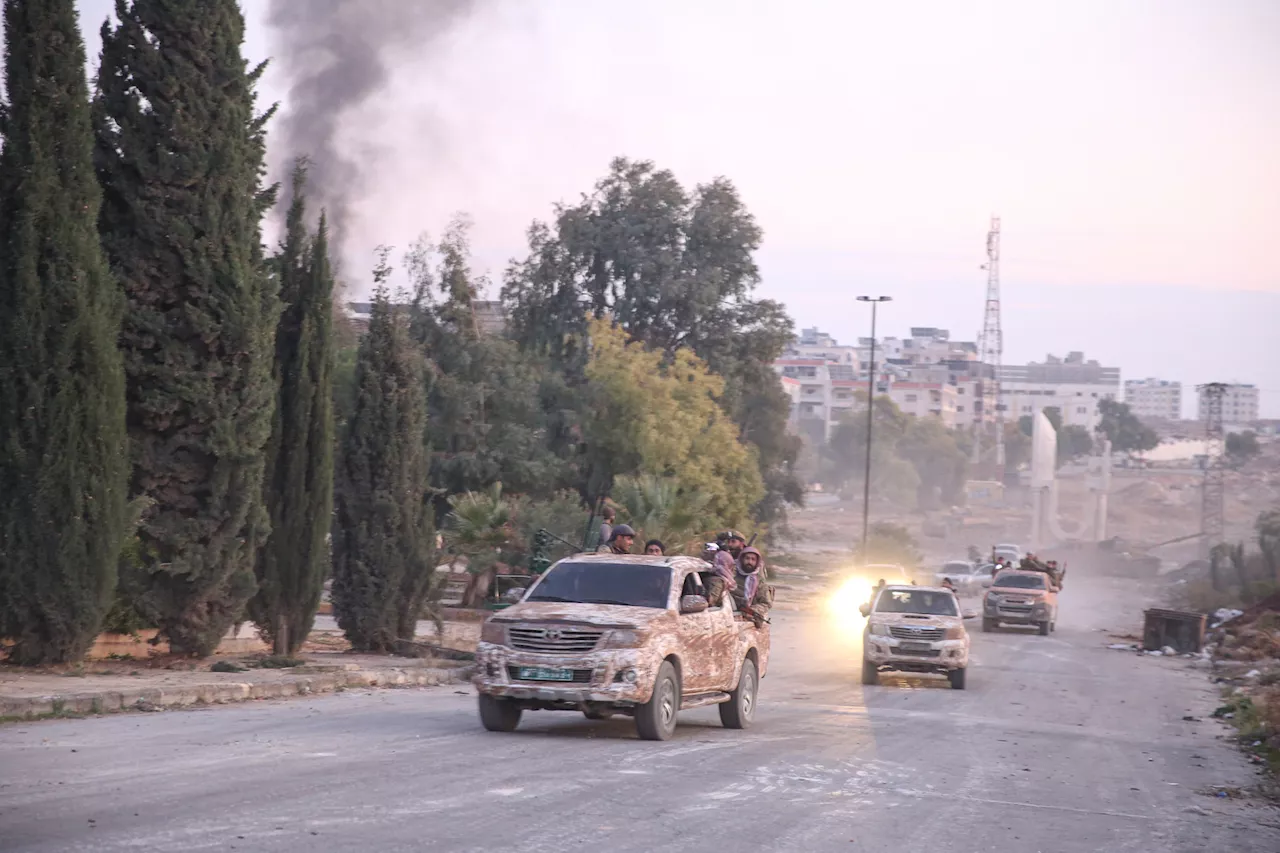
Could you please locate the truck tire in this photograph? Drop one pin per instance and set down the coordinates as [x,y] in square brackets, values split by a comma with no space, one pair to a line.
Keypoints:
[956,677]
[656,719]
[870,672]
[740,710]
[1044,628]
[499,715]
[988,625]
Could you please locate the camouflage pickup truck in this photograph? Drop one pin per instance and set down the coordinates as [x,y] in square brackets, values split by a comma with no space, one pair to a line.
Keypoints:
[605,634]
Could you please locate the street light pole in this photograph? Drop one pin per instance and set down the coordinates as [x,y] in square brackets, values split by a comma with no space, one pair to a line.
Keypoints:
[871,398]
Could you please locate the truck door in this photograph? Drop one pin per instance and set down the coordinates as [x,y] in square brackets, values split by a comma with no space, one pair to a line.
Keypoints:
[695,635]
[723,646]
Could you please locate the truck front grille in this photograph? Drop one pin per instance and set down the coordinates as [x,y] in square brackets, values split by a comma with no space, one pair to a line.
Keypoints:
[553,639]
[905,632]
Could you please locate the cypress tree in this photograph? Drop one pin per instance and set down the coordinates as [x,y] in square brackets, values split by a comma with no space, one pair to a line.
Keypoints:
[63,456]
[383,538]
[299,487]
[180,158]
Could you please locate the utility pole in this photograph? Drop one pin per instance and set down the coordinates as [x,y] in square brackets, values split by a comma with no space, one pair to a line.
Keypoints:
[990,353]
[1212,521]
[871,399]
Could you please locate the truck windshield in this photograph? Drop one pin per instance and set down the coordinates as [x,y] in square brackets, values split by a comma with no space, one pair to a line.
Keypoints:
[916,601]
[627,584]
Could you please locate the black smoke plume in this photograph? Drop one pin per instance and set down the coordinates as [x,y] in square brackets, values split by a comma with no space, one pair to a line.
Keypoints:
[337,56]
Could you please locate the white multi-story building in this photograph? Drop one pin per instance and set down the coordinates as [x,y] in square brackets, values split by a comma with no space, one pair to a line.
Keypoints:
[1071,385]
[1239,404]
[926,399]
[1154,398]
[815,344]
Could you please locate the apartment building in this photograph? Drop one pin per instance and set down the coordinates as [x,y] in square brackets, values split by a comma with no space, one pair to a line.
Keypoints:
[1239,405]
[1073,385]
[813,343]
[927,399]
[1154,398]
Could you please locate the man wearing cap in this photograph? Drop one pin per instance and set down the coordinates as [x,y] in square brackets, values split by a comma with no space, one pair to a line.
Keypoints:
[621,538]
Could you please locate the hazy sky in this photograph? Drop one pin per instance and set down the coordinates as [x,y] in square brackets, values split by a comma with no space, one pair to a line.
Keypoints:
[1132,148]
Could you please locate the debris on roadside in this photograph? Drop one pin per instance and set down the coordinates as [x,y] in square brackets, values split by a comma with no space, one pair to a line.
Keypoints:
[1223,615]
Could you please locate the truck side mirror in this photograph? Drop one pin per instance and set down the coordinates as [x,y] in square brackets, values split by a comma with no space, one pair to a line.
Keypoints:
[864,609]
[693,604]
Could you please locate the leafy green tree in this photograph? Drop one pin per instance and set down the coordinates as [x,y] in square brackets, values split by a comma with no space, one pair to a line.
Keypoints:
[383,539]
[675,270]
[63,456]
[1017,445]
[1073,442]
[891,543]
[1242,446]
[487,401]
[646,414]
[294,563]
[479,527]
[1126,433]
[1267,527]
[180,159]
[893,478]
[939,461]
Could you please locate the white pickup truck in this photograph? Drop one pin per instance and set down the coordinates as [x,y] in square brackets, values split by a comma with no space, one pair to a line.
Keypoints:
[605,634]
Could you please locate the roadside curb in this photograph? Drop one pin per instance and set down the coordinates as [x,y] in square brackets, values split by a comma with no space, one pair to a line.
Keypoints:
[222,692]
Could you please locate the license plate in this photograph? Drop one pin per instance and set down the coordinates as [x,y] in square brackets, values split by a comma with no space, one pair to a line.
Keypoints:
[911,646]
[542,673]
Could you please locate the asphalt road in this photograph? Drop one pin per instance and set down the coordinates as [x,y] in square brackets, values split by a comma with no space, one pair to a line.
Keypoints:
[1058,745]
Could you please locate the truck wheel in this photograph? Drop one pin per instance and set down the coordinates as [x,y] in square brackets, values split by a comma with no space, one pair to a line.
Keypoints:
[499,715]
[956,677]
[1044,629]
[988,625]
[656,719]
[870,672]
[739,711]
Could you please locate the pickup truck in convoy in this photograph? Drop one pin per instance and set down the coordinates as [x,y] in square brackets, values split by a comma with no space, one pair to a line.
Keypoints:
[915,629]
[1021,598]
[605,634]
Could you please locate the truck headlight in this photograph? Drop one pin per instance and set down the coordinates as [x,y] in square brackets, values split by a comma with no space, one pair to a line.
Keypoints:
[955,632]
[878,629]
[992,600]
[493,632]
[624,638]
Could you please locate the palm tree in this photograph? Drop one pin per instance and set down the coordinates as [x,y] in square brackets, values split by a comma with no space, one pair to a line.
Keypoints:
[478,527]
[659,509]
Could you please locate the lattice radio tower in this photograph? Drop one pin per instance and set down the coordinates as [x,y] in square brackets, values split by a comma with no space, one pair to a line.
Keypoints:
[990,351]
[1212,521]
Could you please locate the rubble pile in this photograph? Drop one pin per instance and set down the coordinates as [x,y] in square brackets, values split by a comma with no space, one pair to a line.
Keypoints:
[1252,634]
[1247,651]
